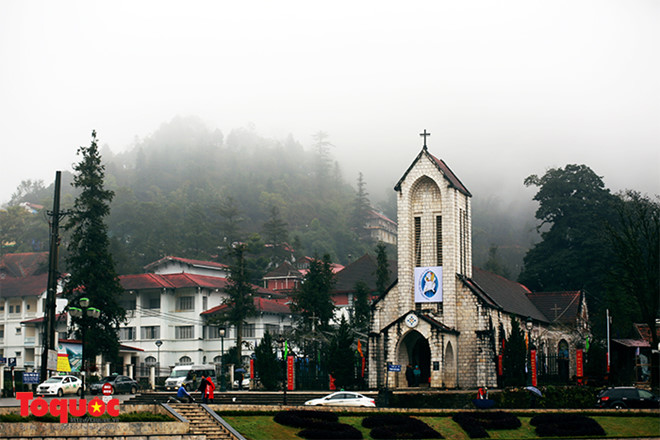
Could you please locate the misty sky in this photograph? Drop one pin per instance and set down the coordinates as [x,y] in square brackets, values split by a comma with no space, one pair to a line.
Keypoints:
[506,88]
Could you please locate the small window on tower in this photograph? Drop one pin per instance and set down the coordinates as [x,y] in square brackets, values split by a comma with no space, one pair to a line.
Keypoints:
[418,241]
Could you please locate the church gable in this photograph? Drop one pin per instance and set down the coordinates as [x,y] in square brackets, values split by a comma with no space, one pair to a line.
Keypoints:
[447,173]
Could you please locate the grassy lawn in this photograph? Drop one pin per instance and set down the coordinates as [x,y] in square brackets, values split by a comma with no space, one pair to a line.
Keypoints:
[262,427]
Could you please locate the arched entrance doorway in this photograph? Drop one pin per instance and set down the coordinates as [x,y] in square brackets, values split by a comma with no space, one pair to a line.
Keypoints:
[415,351]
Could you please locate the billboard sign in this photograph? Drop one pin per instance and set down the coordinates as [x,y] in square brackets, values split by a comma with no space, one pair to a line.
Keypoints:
[428,284]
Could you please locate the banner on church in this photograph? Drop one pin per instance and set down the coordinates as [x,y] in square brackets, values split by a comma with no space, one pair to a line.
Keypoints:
[428,284]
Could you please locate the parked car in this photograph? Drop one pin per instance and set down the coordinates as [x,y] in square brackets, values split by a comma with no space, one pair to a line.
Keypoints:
[343,398]
[120,384]
[59,386]
[626,397]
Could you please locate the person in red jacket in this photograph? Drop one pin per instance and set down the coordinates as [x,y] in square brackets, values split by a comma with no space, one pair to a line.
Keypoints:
[210,387]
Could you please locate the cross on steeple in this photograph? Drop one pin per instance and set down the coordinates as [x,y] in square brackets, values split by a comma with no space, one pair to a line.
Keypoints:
[555,309]
[424,135]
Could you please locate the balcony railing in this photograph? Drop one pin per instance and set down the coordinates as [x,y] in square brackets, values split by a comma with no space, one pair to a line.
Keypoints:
[29,340]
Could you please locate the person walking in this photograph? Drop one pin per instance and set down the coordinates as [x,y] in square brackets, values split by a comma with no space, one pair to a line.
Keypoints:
[203,384]
[210,387]
[417,373]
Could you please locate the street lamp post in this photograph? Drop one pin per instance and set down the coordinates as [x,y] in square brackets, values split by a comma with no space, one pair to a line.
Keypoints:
[223,386]
[84,312]
[281,341]
[529,324]
[158,344]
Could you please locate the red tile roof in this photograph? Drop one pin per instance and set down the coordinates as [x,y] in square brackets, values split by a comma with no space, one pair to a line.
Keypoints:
[261,304]
[58,317]
[11,287]
[179,281]
[24,264]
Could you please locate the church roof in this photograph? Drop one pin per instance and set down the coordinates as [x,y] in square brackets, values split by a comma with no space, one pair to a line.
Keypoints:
[503,293]
[363,269]
[454,181]
[424,317]
[558,307]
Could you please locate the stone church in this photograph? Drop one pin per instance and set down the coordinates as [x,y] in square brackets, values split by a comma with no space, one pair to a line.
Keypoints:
[441,313]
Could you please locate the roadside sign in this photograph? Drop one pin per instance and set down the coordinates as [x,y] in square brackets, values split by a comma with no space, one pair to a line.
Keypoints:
[394,367]
[106,389]
[12,362]
[3,360]
[32,377]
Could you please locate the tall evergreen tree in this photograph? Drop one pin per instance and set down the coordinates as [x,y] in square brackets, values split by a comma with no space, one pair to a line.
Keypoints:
[361,208]
[513,359]
[382,269]
[341,357]
[362,309]
[89,262]
[636,242]
[276,235]
[313,300]
[266,363]
[240,300]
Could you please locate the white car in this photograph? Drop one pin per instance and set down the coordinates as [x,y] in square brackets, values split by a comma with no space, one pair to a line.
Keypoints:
[59,385]
[343,398]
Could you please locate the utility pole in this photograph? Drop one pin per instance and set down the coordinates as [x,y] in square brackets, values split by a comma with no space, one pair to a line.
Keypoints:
[53,275]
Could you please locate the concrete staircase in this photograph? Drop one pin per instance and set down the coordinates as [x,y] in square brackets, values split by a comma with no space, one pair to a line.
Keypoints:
[202,422]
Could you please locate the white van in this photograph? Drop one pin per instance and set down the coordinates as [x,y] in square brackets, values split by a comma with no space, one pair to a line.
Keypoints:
[189,376]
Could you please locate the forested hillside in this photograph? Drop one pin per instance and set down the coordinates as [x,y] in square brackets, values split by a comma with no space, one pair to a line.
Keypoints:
[187,190]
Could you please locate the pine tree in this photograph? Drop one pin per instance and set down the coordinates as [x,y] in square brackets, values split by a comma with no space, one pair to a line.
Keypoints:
[240,300]
[266,363]
[361,208]
[90,265]
[382,268]
[313,300]
[513,359]
[341,357]
[362,309]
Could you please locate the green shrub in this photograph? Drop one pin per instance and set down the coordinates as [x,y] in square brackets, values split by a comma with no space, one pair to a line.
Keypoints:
[553,397]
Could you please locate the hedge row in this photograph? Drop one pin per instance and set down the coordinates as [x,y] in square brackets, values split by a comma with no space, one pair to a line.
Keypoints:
[398,426]
[566,425]
[317,424]
[476,424]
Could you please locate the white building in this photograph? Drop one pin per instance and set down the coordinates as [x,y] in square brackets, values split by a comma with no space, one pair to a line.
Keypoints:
[23,282]
[172,307]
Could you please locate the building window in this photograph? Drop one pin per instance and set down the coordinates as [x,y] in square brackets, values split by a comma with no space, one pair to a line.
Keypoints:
[184,332]
[248,330]
[418,241]
[151,332]
[18,330]
[152,302]
[273,329]
[127,334]
[185,303]
[213,332]
[438,239]
[185,360]
[15,308]
[2,331]
[150,360]
[205,302]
